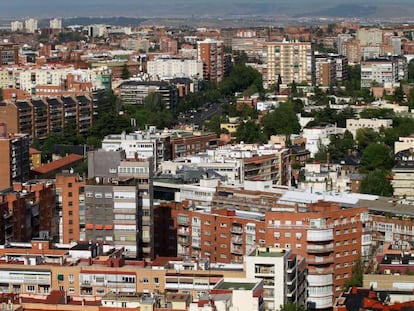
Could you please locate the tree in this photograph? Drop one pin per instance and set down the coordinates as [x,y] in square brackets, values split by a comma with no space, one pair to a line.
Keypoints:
[376,182]
[154,102]
[282,120]
[411,71]
[125,74]
[357,274]
[1,94]
[249,132]
[376,156]
[340,146]
[365,137]
[293,89]
[291,306]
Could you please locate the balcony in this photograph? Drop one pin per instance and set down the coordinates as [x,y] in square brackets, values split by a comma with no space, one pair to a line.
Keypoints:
[183,232]
[320,248]
[236,240]
[320,302]
[236,230]
[182,222]
[265,270]
[320,260]
[317,271]
[320,280]
[237,251]
[319,235]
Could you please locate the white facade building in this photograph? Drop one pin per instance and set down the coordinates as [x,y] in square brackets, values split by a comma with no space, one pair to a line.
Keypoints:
[353,125]
[139,144]
[383,72]
[55,23]
[27,78]
[165,67]
[317,137]
[16,26]
[30,25]
[277,267]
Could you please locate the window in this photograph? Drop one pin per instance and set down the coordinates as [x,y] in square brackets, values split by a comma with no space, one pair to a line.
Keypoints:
[71,290]
[70,194]
[123,304]
[70,185]
[70,203]
[31,288]
[298,246]
[287,245]
[144,280]
[70,222]
[287,235]
[70,213]
[71,278]
[60,277]
[156,280]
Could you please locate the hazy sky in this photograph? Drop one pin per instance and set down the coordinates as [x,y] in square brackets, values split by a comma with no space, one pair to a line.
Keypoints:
[148,8]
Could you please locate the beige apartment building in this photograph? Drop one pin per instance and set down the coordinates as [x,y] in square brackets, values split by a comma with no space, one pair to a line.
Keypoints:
[293,61]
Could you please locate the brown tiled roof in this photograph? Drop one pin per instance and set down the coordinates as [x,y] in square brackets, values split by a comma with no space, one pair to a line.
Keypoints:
[34,151]
[55,165]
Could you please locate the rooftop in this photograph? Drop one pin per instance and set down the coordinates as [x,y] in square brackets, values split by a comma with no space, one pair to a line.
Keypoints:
[236,286]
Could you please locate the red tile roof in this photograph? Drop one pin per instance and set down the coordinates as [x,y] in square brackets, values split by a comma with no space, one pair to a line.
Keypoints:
[55,165]
[34,151]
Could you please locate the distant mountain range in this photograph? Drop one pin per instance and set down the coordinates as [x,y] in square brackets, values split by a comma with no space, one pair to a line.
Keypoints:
[205,8]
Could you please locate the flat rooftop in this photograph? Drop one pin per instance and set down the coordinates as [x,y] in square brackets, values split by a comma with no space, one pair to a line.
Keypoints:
[236,286]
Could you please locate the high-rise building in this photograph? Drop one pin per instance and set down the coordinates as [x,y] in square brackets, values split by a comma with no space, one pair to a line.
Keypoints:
[342,38]
[284,275]
[55,23]
[30,25]
[71,200]
[14,160]
[16,26]
[292,61]
[211,53]
[119,206]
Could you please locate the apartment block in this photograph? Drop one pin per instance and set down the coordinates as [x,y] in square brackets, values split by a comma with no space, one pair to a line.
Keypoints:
[40,117]
[381,71]
[141,144]
[211,53]
[119,207]
[283,273]
[30,212]
[292,61]
[9,53]
[14,162]
[16,26]
[71,203]
[30,25]
[134,92]
[403,173]
[329,237]
[325,71]
[163,68]
[49,81]
[260,162]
